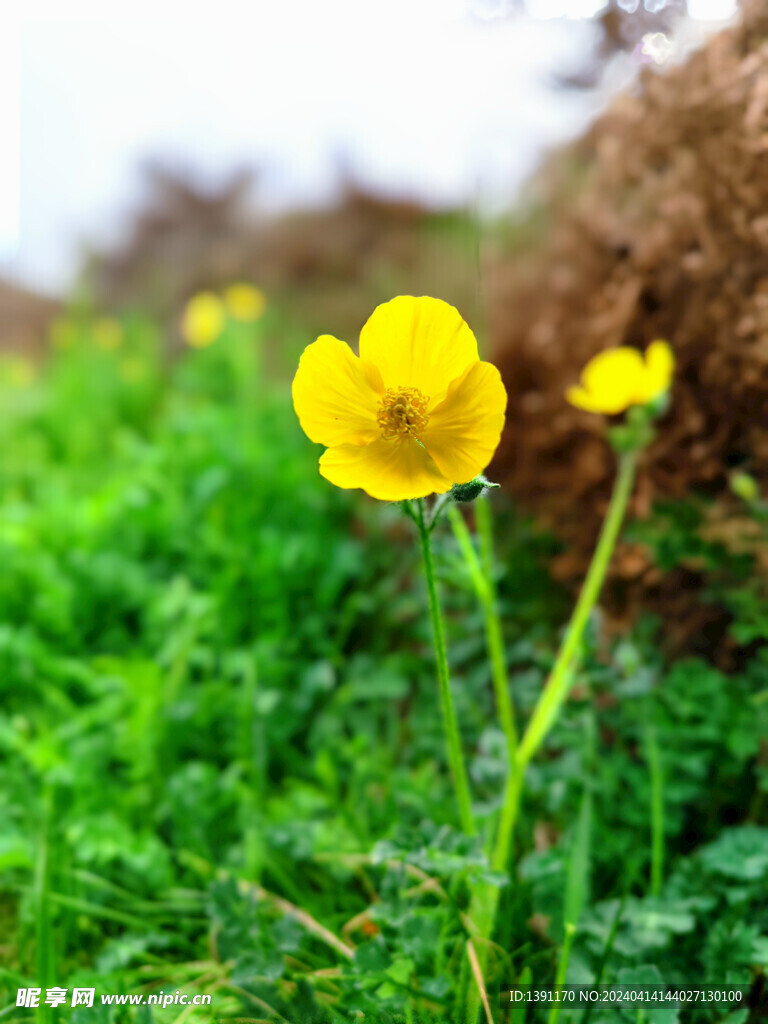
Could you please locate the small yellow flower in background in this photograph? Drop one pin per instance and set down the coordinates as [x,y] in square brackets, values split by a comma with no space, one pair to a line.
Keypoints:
[133,369]
[744,486]
[203,320]
[245,302]
[62,333]
[614,380]
[108,333]
[17,371]
[416,413]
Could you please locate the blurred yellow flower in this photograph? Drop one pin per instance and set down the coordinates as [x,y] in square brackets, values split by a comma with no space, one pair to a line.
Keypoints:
[244,302]
[62,333]
[108,333]
[203,320]
[133,369]
[17,371]
[415,413]
[620,377]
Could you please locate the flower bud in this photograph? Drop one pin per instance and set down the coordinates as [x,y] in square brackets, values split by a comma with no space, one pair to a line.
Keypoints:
[472,490]
[745,487]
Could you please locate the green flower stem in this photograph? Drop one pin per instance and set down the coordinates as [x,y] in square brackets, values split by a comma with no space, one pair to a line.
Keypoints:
[560,678]
[485,900]
[513,790]
[482,580]
[562,969]
[455,755]
[493,626]
[558,684]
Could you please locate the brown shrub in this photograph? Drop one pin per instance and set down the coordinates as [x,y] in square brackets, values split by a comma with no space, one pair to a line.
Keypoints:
[657,226]
[24,318]
[328,266]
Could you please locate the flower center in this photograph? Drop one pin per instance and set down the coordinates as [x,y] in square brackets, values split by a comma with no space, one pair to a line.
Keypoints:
[402,413]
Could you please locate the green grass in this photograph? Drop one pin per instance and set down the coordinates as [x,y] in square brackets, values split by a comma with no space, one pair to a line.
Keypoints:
[222,766]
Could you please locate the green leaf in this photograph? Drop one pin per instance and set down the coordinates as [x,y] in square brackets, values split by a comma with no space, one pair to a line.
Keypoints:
[372,957]
[579,862]
[400,970]
[647,976]
[739,853]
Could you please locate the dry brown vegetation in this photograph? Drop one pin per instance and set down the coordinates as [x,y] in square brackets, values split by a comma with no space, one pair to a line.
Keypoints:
[24,317]
[656,226]
[328,266]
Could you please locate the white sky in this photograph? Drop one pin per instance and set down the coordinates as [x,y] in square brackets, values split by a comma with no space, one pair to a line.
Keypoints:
[444,99]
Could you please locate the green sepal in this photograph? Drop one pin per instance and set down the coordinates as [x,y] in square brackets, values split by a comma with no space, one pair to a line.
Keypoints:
[471,491]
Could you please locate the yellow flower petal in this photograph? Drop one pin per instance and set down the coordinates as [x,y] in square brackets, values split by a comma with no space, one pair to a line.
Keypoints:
[336,395]
[63,333]
[416,413]
[387,470]
[418,342]
[203,320]
[108,333]
[582,399]
[17,371]
[612,378]
[245,302]
[659,367]
[464,429]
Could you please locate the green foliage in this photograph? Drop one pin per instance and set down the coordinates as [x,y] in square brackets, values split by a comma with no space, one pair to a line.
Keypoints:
[222,765]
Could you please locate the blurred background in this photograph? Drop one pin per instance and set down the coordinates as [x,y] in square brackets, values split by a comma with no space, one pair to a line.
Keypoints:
[442,104]
[211,661]
[335,157]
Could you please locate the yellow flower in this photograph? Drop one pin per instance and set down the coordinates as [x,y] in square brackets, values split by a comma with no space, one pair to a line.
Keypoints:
[203,320]
[108,333]
[133,369]
[415,413]
[244,302]
[620,377]
[17,371]
[62,333]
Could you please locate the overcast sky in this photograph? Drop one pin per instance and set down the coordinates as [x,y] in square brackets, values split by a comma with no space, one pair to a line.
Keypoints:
[447,100]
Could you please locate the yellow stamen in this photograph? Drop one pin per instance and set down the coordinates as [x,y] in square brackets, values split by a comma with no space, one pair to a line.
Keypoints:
[402,413]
